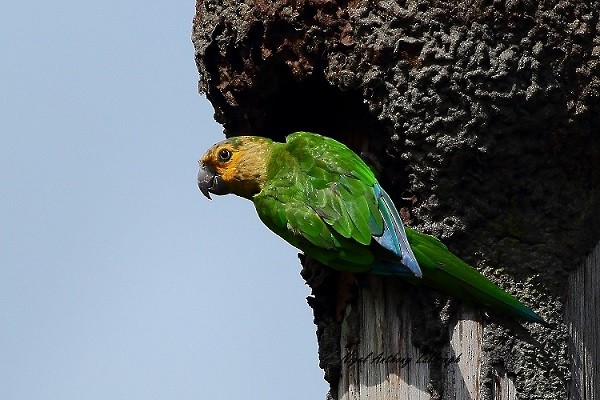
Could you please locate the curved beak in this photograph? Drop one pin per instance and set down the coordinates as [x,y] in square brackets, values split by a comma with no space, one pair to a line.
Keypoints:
[210,182]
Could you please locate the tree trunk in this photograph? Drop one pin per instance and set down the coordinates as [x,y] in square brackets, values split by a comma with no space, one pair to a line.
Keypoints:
[388,365]
[480,118]
[583,318]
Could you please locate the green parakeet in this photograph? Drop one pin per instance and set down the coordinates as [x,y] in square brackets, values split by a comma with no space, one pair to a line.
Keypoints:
[322,198]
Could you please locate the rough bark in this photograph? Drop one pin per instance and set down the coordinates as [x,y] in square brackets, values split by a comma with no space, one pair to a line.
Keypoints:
[481,119]
[583,318]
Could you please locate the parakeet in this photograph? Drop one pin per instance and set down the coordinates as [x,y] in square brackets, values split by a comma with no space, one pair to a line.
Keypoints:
[322,198]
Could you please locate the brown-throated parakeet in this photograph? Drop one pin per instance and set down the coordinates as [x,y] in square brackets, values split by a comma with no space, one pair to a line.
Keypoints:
[322,198]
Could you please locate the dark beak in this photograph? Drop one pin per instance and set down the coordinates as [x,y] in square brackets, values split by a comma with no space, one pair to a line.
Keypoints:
[210,182]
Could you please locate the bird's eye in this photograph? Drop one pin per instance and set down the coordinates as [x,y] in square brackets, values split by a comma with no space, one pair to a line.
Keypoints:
[224,155]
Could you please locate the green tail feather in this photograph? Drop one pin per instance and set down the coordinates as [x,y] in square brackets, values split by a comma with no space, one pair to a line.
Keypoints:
[444,271]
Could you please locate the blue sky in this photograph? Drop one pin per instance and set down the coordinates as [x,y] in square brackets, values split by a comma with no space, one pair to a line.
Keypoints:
[118,279]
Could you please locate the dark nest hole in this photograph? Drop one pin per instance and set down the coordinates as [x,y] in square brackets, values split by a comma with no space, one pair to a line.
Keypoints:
[280,105]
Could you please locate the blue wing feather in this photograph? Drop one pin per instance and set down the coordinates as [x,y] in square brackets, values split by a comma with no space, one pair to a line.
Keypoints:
[393,238]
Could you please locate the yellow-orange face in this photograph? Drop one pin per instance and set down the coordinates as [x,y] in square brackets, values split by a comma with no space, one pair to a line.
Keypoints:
[236,165]
[221,158]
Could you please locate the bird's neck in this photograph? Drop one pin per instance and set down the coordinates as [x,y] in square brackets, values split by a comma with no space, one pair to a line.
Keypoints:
[250,173]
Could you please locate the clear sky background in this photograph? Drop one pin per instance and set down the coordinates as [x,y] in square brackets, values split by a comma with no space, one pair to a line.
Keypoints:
[118,279]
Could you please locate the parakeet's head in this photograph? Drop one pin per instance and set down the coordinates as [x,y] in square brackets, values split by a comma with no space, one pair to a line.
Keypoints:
[237,165]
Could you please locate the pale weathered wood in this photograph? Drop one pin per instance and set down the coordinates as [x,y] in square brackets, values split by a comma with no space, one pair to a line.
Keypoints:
[379,360]
[583,317]
[504,386]
[463,377]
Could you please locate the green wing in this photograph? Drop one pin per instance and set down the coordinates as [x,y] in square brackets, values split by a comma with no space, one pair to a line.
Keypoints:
[323,205]
[322,198]
[444,271]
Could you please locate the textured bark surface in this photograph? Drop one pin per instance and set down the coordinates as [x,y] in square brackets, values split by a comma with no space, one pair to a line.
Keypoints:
[481,118]
[583,318]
